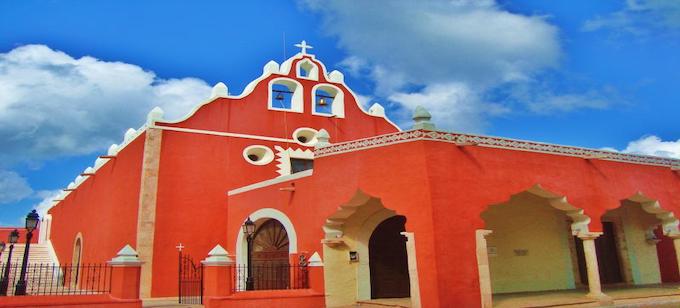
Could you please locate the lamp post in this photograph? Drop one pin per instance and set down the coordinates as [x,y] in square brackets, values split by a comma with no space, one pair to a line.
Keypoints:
[249,231]
[13,238]
[32,220]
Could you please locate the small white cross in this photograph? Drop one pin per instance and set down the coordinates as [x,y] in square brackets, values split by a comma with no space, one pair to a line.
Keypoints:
[304,47]
[180,246]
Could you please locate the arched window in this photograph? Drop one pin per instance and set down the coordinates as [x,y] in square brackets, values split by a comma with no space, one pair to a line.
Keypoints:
[328,100]
[285,95]
[307,69]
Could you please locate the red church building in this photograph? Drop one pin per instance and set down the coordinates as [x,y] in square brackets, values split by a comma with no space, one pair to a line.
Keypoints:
[438,219]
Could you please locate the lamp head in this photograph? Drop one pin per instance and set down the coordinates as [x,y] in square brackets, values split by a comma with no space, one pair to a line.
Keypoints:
[249,227]
[14,236]
[32,220]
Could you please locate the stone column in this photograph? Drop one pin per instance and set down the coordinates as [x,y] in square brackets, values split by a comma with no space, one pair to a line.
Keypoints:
[588,240]
[483,269]
[146,217]
[676,245]
[217,278]
[412,268]
[125,274]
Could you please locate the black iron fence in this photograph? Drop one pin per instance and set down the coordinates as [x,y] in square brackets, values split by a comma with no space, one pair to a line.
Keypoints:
[51,279]
[272,276]
[190,280]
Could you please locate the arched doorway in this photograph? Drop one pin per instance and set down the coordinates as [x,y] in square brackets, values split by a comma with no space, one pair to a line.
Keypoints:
[270,256]
[388,260]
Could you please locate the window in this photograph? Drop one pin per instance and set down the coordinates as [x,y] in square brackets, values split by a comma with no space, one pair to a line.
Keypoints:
[307,69]
[285,94]
[324,101]
[299,164]
[328,100]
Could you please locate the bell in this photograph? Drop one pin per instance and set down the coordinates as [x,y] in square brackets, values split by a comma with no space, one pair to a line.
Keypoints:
[279,96]
[322,101]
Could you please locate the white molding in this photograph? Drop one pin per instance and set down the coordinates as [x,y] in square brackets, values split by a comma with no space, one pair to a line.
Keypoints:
[267,213]
[488,141]
[51,253]
[270,182]
[313,73]
[266,158]
[297,103]
[311,140]
[223,134]
[284,156]
[338,104]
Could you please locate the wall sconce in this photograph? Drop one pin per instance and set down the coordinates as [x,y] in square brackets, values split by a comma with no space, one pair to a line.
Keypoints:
[651,238]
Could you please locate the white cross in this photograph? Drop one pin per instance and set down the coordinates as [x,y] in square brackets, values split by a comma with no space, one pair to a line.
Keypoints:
[304,47]
[180,246]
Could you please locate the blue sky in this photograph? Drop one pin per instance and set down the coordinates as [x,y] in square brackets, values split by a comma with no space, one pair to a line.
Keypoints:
[74,75]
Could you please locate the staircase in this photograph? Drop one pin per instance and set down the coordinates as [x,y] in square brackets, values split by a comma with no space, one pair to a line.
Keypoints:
[39,253]
[44,269]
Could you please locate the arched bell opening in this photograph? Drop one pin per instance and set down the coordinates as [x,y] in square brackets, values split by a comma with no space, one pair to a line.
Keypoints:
[529,244]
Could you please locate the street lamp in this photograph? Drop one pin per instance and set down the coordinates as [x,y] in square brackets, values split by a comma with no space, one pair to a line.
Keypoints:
[249,231]
[13,238]
[32,220]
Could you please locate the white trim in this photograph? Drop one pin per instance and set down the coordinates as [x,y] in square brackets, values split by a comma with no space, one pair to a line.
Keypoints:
[270,182]
[488,141]
[296,102]
[223,134]
[337,106]
[284,156]
[311,140]
[267,156]
[313,73]
[51,252]
[265,213]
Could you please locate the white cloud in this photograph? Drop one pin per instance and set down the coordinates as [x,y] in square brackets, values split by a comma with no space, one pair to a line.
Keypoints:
[53,105]
[13,187]
[653,145]
[412,50]
[640,18]
[456,102]
[46,203]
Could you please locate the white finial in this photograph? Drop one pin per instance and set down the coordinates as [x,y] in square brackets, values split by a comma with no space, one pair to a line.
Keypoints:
[126,256]
[304,47]
[180,247]
[218,256]
[322,138]
[219,90]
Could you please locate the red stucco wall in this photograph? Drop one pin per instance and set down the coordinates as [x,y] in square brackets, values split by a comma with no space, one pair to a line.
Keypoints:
[103,209]
[442,189]
[5,231]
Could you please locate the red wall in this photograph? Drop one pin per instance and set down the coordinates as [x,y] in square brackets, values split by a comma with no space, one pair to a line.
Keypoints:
[442,189]
[197,170]
[69,301]
[5,231]
[103,208]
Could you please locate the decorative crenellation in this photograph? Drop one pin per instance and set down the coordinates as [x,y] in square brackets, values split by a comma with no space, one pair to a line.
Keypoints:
[494,142]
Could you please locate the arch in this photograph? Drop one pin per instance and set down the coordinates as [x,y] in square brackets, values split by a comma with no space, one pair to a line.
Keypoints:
[258,217]
[307,69]
[337,103]
[580,221]
[530,224]
[349,230]
[669,222]
[389,272]
[294,99]
[76,258]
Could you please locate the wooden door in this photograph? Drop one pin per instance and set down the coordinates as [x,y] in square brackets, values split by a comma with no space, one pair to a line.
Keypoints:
[388,260]
[270,257]
[607,256]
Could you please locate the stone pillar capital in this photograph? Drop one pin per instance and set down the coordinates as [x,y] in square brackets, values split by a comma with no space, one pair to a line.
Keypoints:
[218,256]
[587,236]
